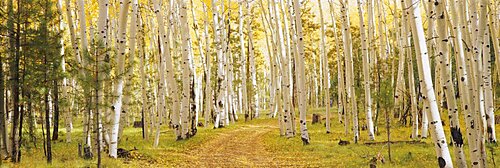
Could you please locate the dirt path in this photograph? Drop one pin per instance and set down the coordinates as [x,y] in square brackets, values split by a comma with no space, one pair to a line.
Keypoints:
[242,147]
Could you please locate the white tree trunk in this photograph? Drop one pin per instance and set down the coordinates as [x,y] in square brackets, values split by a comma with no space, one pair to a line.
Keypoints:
[285,73]
[129,74]
[74,45]
[208,84]
[366,72]
[117,105]
[253,73]
[326,84]
[220,65]
[495,34]
[405,40]
[488,90]
[186,72]
[82,63]
[299,65]
[340,72]
[351,93]
[446,81]
[478,27]
[443,154]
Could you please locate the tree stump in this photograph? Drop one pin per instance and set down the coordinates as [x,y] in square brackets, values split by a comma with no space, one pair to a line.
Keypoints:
[343,143]
[137,124]
[316,118]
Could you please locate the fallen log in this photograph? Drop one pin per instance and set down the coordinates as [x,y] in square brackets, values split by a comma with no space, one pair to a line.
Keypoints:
[395,142]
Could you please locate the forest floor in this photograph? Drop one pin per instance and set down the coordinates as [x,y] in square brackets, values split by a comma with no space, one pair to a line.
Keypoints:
[256,143]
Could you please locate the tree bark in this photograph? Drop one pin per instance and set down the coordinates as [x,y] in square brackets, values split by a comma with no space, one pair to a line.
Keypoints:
[351,93]
[446,81]
[326,72]
[299,64]
[366,73]
[443,154]
[186,72]
[117,105]
[208,87]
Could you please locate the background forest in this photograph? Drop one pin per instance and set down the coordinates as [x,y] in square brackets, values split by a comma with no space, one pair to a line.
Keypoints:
[249,83]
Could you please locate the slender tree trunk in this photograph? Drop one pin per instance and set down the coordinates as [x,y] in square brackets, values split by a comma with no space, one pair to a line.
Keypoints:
[285,72]
[495,37]
[14,73]
[48,144]
[405,40]
[102,51]
[443,154]
[351,94]
[220,65]
[144,79]
[478,26]
[208,83]
[326,72]
[366,73]
[254,109]
[446,81]
[3,128]
[129,74]
[74,46]
[243,58]
[340,76]
[299,64]
[117,105]
[82,66]
[186,72]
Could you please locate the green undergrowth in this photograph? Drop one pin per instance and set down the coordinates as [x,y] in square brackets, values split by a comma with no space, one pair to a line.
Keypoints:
[323,151]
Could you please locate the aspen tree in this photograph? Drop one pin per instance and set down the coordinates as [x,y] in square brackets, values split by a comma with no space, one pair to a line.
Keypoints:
[326,84]
[351,93]
[102,40]
[285,74]
[74,46]
[495,36]
[198,80]
[244,57]
[400,82]
[366,72]
[488,90]
[471,119]
[129,74]
[144,79]
[405,39]
[299,64]
[446,81]
[251,58]
[441,147]
[293,59]
[186,72]
[83,64]
[220,67]
[478,27]
[117,105]
[208,87]
[462,74]
[340,73]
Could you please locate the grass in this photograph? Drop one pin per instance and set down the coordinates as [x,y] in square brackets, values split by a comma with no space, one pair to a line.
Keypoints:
[323,151]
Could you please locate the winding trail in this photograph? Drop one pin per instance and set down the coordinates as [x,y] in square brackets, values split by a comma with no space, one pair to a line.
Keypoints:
[242,147]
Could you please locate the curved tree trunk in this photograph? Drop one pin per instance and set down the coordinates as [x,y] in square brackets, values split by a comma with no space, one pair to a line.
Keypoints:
[439,138]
